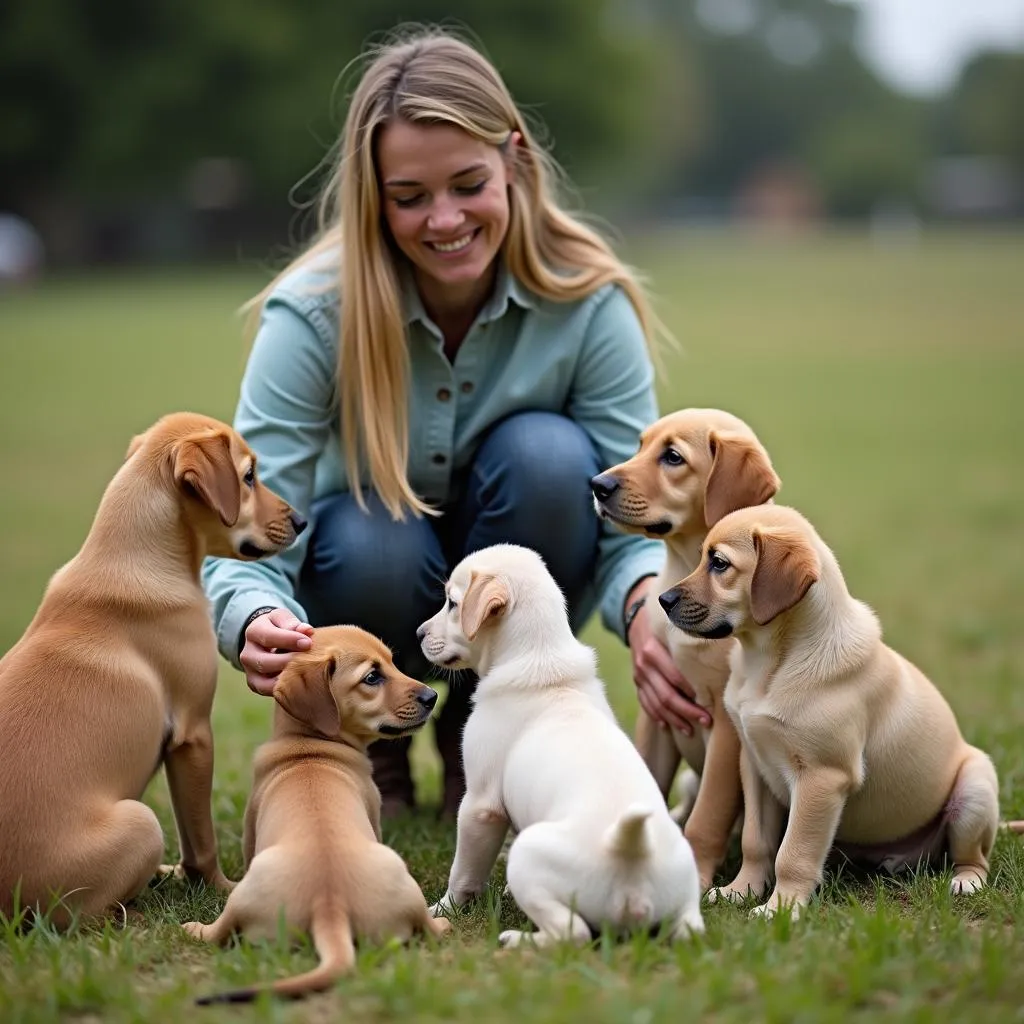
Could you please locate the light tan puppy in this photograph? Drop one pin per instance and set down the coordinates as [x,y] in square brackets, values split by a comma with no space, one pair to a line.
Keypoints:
[837,727]
[116,674]
[313,850]
[693,467]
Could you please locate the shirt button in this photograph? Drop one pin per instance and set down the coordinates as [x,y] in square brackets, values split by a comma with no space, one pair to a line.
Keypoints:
[443,394]
[438,459]
[466,387]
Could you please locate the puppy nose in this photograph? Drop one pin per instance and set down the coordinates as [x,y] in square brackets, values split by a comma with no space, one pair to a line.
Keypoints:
[604,485]
[421,632]
[427,697]
[298,523]
[669,599]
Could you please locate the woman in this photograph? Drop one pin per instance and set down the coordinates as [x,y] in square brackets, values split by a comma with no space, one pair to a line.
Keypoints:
[443,369]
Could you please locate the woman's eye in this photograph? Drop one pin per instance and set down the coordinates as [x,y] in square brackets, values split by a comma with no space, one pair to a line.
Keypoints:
[404,202]
[250,477]
[672,458]
[373,678]
[471,190]
[717,564]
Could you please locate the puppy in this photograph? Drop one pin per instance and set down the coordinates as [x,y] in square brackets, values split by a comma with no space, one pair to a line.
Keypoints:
[313,849]
[693,467]
[116,674]
[542,751]
[837,728]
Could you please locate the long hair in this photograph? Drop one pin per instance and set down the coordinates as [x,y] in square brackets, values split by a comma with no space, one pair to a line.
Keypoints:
[430,77]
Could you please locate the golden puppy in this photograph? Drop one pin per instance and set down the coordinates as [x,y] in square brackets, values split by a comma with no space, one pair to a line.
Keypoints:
[838,728]
[313,850]
[693,467]
[116,674]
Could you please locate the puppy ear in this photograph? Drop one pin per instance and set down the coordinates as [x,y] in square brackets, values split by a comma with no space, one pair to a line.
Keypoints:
[741,475]
[485,596]
[304,691]
[786,567]
[204,464]
[136,444]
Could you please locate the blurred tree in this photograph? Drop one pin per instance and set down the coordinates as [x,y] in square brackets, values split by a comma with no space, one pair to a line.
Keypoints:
[119,99]
[984,112]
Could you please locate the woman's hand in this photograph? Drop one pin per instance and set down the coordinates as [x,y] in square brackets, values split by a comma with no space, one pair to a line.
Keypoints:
[661,688]
[270,641]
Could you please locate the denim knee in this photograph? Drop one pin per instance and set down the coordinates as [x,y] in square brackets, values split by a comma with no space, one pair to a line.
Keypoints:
[365,569]
[530,485]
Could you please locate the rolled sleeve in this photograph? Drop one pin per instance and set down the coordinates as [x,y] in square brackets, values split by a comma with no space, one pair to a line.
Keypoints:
[613,400]
[286,410]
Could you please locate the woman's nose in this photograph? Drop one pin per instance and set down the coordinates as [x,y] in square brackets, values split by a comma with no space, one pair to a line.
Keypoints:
[445,216]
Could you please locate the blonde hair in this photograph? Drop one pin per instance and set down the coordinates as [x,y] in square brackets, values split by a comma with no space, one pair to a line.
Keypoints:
[432,77]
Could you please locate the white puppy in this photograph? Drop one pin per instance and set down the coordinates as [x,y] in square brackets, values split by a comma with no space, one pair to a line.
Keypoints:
[543,752]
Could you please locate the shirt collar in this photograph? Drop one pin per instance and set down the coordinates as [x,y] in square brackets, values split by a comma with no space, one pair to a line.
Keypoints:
[507,288]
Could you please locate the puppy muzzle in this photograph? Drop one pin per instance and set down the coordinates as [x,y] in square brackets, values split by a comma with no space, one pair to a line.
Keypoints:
[690,615]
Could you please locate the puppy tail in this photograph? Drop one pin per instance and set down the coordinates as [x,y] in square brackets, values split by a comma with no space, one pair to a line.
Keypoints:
[332,938]
[628,837]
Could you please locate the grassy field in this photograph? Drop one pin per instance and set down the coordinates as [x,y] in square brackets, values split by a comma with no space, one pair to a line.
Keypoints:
[886,382]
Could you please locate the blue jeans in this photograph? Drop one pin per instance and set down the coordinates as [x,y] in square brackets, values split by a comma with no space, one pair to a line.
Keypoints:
[529,485]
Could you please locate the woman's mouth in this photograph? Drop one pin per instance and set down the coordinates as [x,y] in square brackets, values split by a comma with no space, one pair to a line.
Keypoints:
[456,245]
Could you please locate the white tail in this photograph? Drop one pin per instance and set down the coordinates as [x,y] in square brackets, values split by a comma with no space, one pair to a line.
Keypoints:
[628,838]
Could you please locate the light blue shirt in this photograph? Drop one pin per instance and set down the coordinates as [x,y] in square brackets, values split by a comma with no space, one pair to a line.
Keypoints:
[586,359]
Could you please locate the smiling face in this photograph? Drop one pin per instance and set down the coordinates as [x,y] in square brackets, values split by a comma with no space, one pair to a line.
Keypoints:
[445,200]
[693,467]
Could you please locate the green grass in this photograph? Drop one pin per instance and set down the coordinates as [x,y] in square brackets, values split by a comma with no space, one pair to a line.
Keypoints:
[886,383]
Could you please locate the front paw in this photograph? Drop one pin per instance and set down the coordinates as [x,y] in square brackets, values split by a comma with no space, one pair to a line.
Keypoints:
[444,907]
[510,939]
[776,904]
[195,929]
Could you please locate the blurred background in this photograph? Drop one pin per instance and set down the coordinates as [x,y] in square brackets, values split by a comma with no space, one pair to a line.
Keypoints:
[827,197]
[191,131]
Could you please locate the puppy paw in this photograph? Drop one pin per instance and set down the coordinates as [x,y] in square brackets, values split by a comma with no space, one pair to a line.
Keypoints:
[194,929]
[175,871]
[772,907]
[510,939]
[966,883]
[727,894]
[440,927]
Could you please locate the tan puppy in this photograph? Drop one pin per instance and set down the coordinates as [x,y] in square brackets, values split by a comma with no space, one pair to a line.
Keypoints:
[693,467]
[313,850]
[116,674]
[837,727]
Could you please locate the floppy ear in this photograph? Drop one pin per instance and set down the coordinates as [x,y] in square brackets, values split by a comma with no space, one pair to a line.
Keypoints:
[486,596]
[136,444]
[204,464]
[786,567]
[740,476]
[304,691]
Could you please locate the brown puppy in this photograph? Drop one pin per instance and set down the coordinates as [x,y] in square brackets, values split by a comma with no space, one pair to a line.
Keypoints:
[313,850]
[693,467]
[837,727]
[116,674]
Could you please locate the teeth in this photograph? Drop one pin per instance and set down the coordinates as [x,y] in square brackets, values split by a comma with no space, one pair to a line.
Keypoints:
[459,243]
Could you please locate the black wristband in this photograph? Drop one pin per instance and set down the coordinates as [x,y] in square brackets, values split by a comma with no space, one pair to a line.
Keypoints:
[631,613]
[248,622]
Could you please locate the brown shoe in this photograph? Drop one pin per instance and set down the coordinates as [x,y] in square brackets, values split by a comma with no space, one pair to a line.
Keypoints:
[448,736]
[391,773]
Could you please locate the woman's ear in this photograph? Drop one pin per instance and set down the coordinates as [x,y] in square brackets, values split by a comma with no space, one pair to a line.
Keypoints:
[510,152]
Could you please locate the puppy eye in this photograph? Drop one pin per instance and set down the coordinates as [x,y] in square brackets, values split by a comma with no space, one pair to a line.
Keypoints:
[250,477]
[373,678]
[716,563]
[671,457]
[451,605]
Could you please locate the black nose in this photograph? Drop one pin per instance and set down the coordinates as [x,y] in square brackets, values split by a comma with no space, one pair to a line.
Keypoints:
[427,697]
[298,523]
[604,485]
[669,599]
[421,632]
